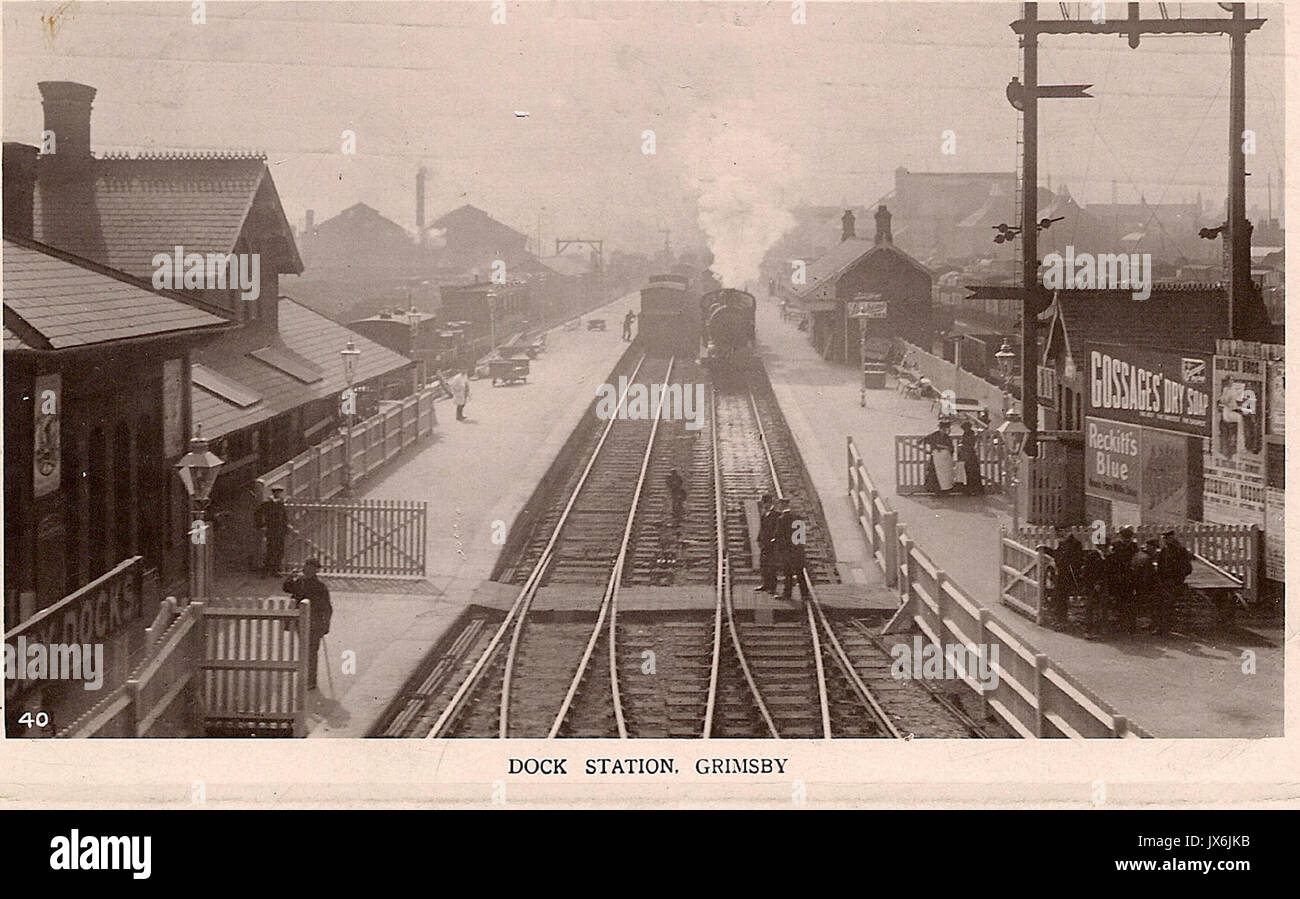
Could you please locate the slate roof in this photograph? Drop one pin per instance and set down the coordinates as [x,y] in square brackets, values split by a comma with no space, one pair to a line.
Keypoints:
[73,302]
[303,333]
[844,254]
[134,208]
[1176,317]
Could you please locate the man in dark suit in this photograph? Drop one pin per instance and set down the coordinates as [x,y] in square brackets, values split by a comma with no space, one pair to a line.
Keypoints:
[767,553]
[790,549]
[1173,565]
[272,521]
[309,587]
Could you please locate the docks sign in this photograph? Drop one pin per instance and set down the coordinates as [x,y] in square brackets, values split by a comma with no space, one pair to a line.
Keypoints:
[1153,388]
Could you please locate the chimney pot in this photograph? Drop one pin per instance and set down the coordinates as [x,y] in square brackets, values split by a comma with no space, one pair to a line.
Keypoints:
[67,114]
[884,231]
[847,225]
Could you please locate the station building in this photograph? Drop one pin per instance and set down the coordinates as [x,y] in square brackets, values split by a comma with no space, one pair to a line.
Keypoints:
[263,387]
[865,290]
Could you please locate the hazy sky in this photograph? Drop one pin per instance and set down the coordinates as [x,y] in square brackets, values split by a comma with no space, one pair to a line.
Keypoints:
[822,112]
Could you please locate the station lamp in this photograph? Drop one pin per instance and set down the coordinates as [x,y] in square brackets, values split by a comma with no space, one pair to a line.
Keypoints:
[198,468]
[350,355]
[1013,433]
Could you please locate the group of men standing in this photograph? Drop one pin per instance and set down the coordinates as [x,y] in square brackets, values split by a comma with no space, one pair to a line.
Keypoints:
[781,538]
[1122,577]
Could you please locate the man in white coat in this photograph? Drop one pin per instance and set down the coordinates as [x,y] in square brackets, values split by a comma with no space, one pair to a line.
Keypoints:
[460,393]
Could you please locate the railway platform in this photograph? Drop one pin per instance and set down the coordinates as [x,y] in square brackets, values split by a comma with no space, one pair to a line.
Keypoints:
[475,473]
[1174,687]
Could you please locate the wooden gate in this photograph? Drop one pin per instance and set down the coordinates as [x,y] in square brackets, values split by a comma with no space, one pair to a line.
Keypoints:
[910,457]
[1055,480]
[1025,577]
[254,669]
[366,538]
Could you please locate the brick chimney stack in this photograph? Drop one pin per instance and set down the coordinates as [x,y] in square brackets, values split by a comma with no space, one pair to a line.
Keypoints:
[847,223]
[67,115]
[884,232]
[419,203]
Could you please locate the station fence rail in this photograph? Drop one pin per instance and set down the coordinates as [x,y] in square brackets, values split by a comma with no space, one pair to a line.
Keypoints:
[1031,692]
[317,474]
[221,668]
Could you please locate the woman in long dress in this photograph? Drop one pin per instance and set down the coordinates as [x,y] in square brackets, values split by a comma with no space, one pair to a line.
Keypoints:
[968,456]
[938,469]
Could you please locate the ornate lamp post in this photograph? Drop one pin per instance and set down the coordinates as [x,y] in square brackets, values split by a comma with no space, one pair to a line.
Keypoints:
[198,472]
[350,355]
[1006,359]
[1012,433]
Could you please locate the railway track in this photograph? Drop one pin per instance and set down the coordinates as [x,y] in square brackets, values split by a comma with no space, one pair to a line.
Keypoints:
[580,546]
[798,679]
[613,674]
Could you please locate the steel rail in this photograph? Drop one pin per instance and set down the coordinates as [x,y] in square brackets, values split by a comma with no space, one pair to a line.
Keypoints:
[724,600]
[823,695]
[609,602]
[519,609]
[816,613]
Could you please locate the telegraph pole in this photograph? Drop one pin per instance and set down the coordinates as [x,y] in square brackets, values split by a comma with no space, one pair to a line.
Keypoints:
[1237,230]
[1237,235]
[1029,234]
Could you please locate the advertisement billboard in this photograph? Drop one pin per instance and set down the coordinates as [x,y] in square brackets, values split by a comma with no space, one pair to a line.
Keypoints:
[1153,388]
[1239,391]
[1112,454]
[47,456]
[1165,478]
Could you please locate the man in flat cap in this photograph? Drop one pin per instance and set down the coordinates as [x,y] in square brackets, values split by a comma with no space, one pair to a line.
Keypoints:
[311,588]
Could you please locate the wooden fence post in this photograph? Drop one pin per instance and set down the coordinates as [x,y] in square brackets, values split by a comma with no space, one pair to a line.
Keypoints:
[1040,713]
[304,647]
[1041,593]
[889,524]
[940,602]
[982,644]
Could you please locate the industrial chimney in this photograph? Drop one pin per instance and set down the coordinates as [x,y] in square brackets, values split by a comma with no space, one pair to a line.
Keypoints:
[419,203]
[884,233]
[847,223]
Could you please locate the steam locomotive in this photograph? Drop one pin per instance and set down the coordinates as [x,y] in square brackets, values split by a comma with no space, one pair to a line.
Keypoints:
[728,323]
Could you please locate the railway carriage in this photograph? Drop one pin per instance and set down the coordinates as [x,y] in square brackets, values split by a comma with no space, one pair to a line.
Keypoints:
[669,323]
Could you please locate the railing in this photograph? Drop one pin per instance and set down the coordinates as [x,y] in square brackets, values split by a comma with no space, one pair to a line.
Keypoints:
[317,474]
[878,522]
[1030,692]
[232,667]
[160,697]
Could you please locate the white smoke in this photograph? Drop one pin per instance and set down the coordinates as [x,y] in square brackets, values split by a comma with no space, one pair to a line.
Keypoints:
[743,175]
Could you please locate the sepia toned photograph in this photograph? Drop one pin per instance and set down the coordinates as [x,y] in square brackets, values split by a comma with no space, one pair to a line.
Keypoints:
[852,371]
